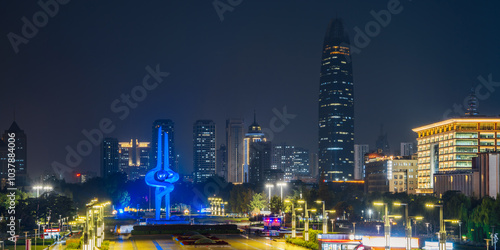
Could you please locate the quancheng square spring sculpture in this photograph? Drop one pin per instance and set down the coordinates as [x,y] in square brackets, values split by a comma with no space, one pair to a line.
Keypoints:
[162,177]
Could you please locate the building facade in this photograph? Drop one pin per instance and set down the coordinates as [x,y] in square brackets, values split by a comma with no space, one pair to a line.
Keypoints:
[336,105]
[359,155]
[235,134]
[451,144]
[110,157]
[487,169]
[204,151]
[393,174]
[134,158]
[167,126]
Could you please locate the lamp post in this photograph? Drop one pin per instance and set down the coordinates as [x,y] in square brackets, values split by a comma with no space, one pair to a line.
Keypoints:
[442,230]
[269,186]
[325,222]
[306,224]
[407,224]
[281,185]
[387,225]
[294,229]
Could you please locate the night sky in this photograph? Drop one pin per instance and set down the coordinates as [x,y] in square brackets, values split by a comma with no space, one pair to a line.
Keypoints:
[263,55]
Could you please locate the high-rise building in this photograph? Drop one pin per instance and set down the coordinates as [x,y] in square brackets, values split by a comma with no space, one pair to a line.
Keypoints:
[300,162]
[204,151]
[336,105]
[282,157]
[134,158]
[221,158]
[16,136]
[167,126]
[359,155]
[234,142]
[256,155]
[407,149]
[451,144]
[110,157]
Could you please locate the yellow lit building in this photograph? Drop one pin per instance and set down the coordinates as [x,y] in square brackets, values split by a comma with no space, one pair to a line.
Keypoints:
[451,144]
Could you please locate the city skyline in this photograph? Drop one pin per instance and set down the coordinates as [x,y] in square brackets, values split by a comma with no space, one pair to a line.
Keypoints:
[388,70]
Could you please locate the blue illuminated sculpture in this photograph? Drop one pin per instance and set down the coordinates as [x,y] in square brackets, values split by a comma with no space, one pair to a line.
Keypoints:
[162,178]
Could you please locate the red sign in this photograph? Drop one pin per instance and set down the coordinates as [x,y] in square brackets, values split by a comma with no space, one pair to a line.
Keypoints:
[54,230]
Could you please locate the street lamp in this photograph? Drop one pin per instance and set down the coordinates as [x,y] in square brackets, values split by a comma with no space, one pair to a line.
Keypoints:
[294,229]
[281,185]
[325,222]
[387,225]
[407,224]
[306,224]
[442,230]
[269,186]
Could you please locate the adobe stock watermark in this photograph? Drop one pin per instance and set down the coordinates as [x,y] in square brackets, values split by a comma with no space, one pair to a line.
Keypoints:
[483,91]
[121,107]
[223,6]
[373,28]
[40,19]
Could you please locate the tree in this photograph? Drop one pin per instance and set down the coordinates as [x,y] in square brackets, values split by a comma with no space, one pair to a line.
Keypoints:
[257,203]
[276,204]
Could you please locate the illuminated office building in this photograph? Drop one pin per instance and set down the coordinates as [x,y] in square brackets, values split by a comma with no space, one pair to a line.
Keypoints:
[110,157]
[256,155]
[336,105]
[393,174]
[134,158]
[451,144]
[204,151]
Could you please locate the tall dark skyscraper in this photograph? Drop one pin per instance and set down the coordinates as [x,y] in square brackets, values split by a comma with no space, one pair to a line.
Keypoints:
[110,157]
[204,149]
[336,105]
[234,143]
[167,126]
[21,153]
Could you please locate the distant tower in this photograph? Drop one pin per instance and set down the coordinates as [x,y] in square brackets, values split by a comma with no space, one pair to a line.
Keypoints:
[472,105]
[167,126]
[382,142]
[109,157]
[359,160]
[21,154]
[204,153]
[256,154]
[234,143]
[336,105]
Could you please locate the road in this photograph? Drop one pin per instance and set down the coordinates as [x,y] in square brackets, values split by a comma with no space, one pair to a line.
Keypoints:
[236,241]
